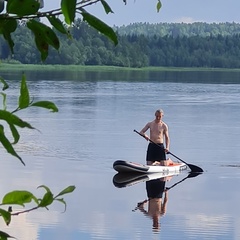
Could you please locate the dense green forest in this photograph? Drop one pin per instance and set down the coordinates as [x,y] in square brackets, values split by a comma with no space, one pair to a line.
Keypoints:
[140,45]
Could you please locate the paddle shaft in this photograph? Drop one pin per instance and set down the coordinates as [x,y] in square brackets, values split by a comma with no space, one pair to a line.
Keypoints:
[191,166]
[190,175]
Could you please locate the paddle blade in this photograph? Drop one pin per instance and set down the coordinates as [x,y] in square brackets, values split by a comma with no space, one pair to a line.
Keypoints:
[195,168]
[193,174]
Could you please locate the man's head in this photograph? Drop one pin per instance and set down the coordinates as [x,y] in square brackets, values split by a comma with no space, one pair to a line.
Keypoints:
[159,114]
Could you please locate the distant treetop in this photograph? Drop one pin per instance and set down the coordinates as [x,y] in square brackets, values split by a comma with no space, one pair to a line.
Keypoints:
[180,29]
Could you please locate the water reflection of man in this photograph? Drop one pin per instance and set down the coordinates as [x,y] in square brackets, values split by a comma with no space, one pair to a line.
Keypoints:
[156,204]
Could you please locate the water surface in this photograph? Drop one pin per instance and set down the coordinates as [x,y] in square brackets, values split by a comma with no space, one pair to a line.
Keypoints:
[94,127]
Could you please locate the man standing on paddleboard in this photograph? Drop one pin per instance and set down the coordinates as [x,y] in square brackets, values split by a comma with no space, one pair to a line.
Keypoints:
[156,153]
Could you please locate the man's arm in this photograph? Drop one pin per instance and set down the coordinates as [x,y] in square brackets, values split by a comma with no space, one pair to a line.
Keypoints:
[167,138]
[142,132]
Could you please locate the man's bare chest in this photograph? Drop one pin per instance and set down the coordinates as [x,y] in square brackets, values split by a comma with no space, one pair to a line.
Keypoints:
[157,128]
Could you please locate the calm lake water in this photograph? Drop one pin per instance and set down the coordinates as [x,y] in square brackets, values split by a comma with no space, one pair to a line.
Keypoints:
[94,127]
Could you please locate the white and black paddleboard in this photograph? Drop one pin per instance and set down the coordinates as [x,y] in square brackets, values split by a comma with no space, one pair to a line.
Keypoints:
[126,166]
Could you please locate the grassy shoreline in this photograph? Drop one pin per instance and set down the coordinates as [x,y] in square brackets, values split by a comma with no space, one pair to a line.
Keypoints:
[34,67]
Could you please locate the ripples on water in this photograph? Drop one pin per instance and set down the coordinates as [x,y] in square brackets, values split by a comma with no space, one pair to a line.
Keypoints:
[94,127]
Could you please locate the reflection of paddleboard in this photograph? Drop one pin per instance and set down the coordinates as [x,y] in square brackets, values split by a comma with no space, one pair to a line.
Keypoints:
[126,166]
[127,179]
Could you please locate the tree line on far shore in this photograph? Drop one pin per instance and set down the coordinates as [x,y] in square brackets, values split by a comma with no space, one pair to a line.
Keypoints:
[140,45]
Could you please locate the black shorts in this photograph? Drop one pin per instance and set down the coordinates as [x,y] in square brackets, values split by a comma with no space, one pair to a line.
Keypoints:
[155,152]
[155,188]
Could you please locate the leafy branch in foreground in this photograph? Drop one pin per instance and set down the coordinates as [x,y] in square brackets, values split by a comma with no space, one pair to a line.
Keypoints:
[28,10]
[43,34]
[13,121]
[25,197]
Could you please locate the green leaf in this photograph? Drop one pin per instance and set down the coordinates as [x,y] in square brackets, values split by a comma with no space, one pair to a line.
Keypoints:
[15,133]
[106,7]
[67,190]
[42,47]
[9,40]
[7,145]
[10,25]
[159,5]
[7,25]
[5,85]
[46,104]
[45,187]
[24,100]
[22,7]
[13,119]
[47,200]
[4,100]
[6,216]
[44,36]
[56,22]
[100,26]
[18,197]
[69,10]
[42,31]
[5,236]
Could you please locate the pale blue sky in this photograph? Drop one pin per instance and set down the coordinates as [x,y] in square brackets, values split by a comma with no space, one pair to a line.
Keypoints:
[172,11]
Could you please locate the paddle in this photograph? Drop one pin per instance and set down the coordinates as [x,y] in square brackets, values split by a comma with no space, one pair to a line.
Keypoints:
[190,175]
[193,168]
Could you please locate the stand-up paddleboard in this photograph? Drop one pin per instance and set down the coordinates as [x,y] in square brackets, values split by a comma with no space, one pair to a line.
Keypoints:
[128,179]
[126,166]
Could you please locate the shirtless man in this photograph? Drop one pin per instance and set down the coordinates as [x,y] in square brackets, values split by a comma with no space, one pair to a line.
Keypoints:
[156,153]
